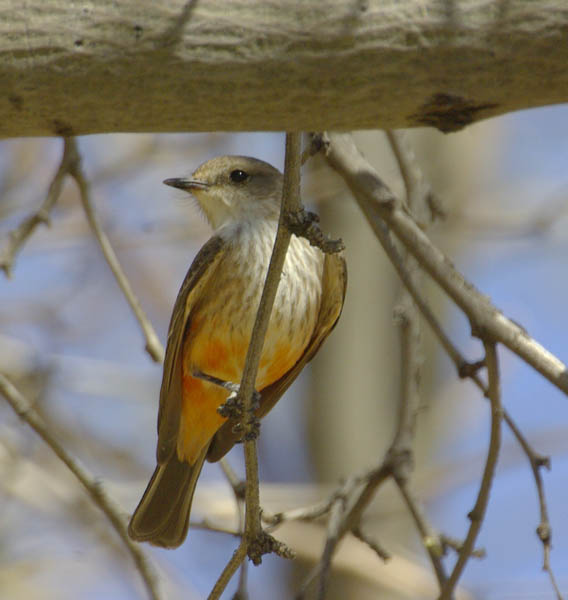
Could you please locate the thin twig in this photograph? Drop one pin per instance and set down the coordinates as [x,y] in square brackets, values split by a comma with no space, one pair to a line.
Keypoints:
[383,554]
[477,514]
[304,513]
[335,531]
[461,364]
[18,237]
[308,581]
[372,480]
[411,360]
[457,546]
[230,568]
[401,449]
[23,408]
[239,489]
[544,530]
[242,589]
[332,539]
[290,204]
[430,539]
[398,458]
[411,357]
[206,525]
[418,190]
[237,485]
[409,171]
[380,206]
[255,541]
[75,170]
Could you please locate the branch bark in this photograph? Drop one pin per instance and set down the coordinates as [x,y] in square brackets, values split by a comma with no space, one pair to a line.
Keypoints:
[83,67]
[381,207]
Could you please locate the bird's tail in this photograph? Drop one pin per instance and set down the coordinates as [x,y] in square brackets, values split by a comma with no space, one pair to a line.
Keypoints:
[162,516]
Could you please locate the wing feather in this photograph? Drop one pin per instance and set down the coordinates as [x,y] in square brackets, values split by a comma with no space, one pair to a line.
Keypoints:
[197,276]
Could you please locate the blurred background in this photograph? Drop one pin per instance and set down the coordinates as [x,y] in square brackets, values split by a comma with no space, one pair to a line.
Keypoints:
[69,341]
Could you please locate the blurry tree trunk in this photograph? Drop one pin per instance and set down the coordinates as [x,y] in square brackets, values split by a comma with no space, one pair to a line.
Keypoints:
[355,379]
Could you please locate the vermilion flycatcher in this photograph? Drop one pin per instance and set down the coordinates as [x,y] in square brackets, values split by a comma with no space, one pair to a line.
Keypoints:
[211,327]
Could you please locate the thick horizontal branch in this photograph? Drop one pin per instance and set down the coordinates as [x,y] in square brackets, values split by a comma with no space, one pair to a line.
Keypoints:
[73,68]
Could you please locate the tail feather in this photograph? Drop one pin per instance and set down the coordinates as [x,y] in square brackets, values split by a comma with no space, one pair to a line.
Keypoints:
[162,516]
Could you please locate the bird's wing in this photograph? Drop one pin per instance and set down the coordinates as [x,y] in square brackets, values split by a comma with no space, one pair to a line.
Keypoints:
[334,283]
[198,275]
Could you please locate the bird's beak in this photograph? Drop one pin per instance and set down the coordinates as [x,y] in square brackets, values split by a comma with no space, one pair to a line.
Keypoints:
[186,184]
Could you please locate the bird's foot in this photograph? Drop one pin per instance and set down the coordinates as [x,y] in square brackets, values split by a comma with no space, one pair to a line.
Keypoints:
[233,407]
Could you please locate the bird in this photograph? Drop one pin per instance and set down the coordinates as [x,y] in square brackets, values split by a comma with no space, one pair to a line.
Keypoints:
[210,330]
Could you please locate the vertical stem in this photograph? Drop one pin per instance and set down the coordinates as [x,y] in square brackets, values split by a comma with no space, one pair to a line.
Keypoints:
[290,202]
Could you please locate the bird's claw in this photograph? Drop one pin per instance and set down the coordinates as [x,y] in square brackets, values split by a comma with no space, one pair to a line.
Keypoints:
[233,407]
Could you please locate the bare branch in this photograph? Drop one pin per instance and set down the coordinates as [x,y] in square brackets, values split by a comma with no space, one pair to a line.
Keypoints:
[354,505]
[206,525]
[544,530]
[305,513]
[239,490]
[477,514]
[419,193]
[411,360]
[380,206]
[237,485]
[383,554]
[430,539]
[18,237]
[290,203]
[242,589]
[23,408]
[333,536]
[457,546]
[230,568]
[461,364]
[335,507]
[75,169]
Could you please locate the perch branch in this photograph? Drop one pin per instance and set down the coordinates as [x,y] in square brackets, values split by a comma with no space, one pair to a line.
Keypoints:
[255,541]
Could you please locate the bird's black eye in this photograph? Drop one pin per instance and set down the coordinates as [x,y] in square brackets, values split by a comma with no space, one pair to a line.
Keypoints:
[238,176]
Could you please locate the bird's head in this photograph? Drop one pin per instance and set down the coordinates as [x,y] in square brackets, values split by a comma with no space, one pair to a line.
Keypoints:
[231,189]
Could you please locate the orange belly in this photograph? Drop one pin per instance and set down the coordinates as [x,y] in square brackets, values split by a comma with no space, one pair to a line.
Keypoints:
[224,358]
